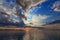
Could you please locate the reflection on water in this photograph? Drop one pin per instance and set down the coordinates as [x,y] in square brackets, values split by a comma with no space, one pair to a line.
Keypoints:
[12,35]
[33,34]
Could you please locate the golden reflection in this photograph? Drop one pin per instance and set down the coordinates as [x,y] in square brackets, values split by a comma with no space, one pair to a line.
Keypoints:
[16,29]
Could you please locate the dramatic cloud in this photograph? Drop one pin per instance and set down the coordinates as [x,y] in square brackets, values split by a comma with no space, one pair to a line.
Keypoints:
[22,12]
[56,6]
[5,8]
[35,20]
[27,4]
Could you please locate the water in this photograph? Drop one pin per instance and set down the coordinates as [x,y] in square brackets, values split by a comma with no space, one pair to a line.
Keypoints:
[33,34]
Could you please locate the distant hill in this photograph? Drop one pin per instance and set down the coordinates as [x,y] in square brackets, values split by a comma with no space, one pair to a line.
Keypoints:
[54,22]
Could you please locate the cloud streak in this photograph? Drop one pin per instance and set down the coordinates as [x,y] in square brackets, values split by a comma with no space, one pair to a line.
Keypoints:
[5,8]
[27,4]
[56,6]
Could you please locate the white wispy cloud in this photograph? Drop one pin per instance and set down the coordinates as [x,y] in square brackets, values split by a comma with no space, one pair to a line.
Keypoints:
[38,18]
[35,20]
[56,6]
[11,12]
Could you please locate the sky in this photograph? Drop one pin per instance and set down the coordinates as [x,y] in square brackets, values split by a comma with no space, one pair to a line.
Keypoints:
[38,15]
[44,13]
